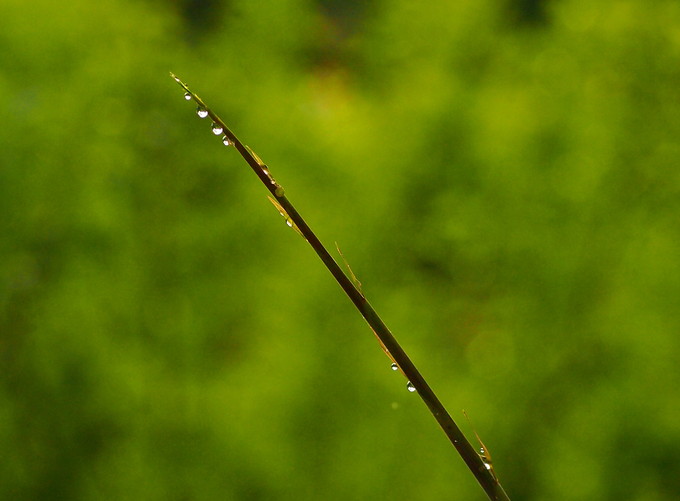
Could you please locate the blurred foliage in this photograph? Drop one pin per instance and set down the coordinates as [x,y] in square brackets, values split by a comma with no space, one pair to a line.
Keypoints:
[502,176]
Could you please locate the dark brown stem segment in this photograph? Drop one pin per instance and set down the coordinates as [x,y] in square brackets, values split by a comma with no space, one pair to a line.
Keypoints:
[481,470]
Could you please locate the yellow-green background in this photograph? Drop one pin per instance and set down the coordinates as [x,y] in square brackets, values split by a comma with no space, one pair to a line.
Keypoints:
[503,177]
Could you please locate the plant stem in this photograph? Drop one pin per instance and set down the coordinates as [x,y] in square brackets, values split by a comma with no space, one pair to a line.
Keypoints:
[481,470]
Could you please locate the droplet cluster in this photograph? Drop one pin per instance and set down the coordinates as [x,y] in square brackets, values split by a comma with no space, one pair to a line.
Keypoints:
[216,128]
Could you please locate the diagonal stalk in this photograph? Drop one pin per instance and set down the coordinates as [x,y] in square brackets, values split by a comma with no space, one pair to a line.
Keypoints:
[482,470]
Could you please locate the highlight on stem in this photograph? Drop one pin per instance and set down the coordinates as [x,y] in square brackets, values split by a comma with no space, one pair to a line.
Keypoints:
[479,464]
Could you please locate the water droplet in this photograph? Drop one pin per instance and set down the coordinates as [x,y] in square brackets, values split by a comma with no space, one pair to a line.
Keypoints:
[217,129]
[201,112]
[289,222]
[187,96]
[410,387]
[394,367]
[225,141]
[279,191]
[488,466]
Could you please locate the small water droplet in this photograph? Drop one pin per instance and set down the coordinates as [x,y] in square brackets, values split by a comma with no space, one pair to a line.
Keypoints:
[225,141]
[488,466]
[289,223]
[217,129]
[410,387]
[394,367]
[187,96]
[201,112]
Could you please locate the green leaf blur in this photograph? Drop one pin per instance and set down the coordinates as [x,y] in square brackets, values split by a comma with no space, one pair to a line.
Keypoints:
[502,177]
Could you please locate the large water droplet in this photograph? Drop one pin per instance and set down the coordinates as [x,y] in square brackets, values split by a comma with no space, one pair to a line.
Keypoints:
[410,387]
[394,367]
[225,141]
[187,96]
[201,112]
[217,129]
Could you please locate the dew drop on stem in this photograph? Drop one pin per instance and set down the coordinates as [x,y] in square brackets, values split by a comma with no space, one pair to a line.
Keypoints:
[225,141]
[394,367]
[216,129]
[410,387]
[187,96]
[201,112]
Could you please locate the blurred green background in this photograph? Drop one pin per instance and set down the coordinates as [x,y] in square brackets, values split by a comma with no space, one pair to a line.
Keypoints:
[502,176]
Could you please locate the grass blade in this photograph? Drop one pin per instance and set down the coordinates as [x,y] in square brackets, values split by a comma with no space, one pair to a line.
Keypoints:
[474,461]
